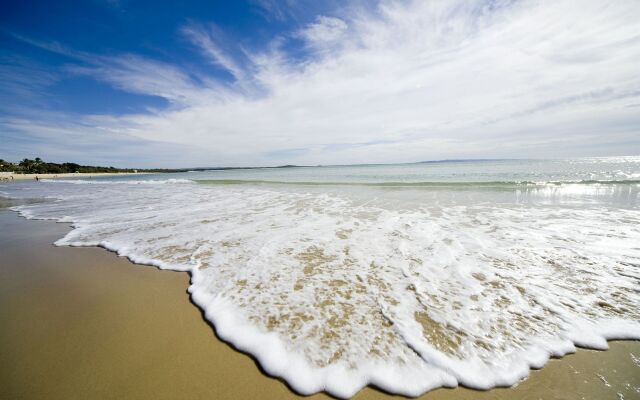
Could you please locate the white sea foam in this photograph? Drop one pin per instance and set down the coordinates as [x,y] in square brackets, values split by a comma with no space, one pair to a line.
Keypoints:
[332,293]
[102,181]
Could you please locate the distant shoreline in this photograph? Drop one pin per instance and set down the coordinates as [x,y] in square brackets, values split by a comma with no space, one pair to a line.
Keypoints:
[6,176]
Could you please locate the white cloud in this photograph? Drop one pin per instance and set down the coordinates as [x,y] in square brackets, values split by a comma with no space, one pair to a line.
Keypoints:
[410,81]
[325,31]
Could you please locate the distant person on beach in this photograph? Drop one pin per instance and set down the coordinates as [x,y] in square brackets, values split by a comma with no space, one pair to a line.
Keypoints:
[37,178]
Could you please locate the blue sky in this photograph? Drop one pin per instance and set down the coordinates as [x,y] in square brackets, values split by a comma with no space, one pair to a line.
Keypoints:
[263,82]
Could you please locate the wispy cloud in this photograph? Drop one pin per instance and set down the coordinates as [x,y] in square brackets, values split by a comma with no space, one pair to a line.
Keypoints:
[205,39]
[274,9]
[136,74]
[403,81]
[23,79]
[60,137]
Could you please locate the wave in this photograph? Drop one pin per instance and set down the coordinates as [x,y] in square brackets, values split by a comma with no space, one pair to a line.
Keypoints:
[119,182]
[333,295]
[426,184]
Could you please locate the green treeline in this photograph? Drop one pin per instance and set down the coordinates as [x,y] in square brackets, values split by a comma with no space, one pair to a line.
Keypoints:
[38,166]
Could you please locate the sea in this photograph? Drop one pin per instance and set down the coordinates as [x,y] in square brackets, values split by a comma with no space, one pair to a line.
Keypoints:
[408,277]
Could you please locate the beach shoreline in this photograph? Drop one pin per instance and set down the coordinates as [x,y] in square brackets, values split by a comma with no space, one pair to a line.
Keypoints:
[9,176]
[124,330]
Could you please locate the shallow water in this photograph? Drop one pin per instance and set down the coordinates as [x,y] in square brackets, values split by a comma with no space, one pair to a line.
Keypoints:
[409,277]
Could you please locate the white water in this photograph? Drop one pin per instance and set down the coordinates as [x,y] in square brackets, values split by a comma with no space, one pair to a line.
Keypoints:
[408,289]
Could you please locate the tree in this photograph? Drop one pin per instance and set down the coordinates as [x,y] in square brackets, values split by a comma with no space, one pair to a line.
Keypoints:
[26,165]
[71,167]
[6,166]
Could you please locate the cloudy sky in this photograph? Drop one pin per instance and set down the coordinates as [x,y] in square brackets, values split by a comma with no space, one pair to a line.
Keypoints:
[265,82]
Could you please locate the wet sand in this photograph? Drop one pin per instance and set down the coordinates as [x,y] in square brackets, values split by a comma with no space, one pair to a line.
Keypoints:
[83,323]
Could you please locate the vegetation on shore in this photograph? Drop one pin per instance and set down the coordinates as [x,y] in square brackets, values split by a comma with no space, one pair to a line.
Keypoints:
[38,166]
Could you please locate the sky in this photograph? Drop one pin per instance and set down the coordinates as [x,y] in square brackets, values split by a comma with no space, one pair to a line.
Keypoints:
[171,84]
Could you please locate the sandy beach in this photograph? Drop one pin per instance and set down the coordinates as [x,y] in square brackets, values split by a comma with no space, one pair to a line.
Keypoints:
[84,323]
[9,176]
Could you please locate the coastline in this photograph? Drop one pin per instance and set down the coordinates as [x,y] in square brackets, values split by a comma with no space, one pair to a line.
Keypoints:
[82,322]
[6,176]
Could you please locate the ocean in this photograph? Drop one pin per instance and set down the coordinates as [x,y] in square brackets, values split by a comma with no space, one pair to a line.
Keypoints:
[408,277]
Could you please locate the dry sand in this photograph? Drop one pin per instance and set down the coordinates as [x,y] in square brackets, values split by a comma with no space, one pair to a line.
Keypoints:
[81,323]
[6,176]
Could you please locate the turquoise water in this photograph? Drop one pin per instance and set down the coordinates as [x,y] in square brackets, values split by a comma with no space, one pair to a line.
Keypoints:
[472,171]
[610,181]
